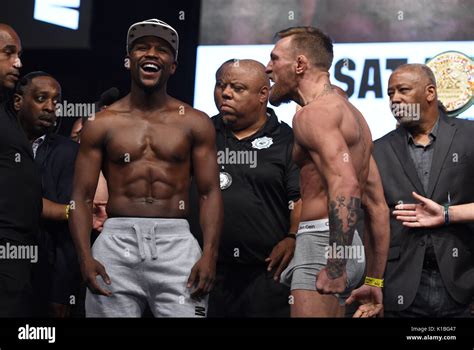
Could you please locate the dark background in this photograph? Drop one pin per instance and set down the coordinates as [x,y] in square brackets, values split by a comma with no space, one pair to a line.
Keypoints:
[85,73]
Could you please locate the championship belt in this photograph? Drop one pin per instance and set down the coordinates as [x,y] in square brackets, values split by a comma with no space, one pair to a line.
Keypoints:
[454,72]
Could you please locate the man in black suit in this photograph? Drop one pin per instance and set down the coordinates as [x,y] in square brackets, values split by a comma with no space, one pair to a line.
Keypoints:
[36,97]
[430,271]
[20,190]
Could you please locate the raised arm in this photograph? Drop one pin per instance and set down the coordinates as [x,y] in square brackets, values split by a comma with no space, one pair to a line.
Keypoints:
[204,158]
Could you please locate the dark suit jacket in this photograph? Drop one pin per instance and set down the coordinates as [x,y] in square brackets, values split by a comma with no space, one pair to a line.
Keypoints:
[56,157]
[452,171]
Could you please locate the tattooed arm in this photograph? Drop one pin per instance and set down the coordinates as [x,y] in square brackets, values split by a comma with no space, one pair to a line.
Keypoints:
[319,132]
[376,243]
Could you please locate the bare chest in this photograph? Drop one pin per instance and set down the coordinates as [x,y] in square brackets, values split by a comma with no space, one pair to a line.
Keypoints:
[128,142]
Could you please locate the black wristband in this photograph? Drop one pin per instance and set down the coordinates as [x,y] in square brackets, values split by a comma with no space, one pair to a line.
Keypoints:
[291,235]
[446,214]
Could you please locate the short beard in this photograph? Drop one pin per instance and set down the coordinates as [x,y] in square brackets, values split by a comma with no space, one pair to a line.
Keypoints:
[278,100]
[277,97]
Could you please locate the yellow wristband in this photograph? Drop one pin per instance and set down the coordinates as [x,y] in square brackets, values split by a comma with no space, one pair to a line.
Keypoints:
[68,207]
[374,282]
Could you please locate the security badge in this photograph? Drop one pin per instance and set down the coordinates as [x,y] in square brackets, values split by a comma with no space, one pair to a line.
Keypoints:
[225,180]
[262,142]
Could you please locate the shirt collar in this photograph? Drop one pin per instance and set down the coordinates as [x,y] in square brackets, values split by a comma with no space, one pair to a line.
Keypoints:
[36,143]
[270,127]
[40,140]
[433,133]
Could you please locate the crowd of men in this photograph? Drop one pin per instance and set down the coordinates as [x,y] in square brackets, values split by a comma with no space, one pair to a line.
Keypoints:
[238,215]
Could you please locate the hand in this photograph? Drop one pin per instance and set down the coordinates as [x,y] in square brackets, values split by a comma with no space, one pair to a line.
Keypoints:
[90,268]
[99,215]
[424,214]
[371,299]
[59,310]
[325,285]
[202,276]
[281,256]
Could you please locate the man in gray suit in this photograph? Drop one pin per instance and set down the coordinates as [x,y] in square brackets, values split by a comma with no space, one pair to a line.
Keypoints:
[430,271]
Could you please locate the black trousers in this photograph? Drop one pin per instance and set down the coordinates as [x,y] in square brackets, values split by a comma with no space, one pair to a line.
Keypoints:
[247,291]
[16,292]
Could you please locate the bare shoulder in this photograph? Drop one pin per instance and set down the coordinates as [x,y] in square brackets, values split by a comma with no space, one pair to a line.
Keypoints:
[325,113]
[96,128]
[195,118]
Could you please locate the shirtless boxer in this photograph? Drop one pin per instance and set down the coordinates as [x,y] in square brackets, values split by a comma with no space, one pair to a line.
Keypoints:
[147,145]
[333,148]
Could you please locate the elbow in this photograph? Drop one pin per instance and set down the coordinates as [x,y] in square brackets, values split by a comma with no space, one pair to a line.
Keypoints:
[348,186]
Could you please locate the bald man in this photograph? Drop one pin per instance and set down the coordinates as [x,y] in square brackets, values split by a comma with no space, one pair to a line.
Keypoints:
[20,190]
[430,272]
[260,190]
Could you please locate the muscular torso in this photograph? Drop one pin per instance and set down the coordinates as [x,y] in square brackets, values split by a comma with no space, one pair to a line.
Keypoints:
[358,139]
[147,161]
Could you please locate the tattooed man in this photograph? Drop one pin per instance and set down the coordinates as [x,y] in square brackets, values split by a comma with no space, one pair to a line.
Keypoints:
[339,184]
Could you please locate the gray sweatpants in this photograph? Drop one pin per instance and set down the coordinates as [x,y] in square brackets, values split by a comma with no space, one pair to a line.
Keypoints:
[148,261]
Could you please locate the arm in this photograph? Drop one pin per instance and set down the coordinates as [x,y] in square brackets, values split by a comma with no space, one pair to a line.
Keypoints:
[428,213]
[325,143]
[295,216]
[377,221]
[376,242]
[283,251]
[57,211]
[461,213]
[88,164]
[53,211]
[204,158]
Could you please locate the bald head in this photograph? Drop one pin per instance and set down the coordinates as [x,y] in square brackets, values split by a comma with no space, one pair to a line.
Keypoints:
[253,68]
[6,28]
[241,93]
[10,51]
[421,70]
[7,32]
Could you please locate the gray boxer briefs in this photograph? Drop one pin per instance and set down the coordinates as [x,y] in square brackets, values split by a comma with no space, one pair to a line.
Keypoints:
[312,241]
[148,261]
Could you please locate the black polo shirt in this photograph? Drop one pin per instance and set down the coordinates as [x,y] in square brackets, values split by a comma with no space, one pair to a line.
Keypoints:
[20,182]
[258,181]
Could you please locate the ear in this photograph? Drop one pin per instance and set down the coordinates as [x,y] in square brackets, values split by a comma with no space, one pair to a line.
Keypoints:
[17,102]
[431,93]
[264,92]
[126,63]
[301,64]
[173,67]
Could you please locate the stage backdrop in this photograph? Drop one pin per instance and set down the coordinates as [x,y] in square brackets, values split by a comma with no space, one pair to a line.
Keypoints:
[371,37]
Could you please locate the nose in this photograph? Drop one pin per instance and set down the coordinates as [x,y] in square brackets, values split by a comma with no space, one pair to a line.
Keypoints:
[227,92]
[396,97]
[17,63]
[49,106]
[152,52]
[268,68]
